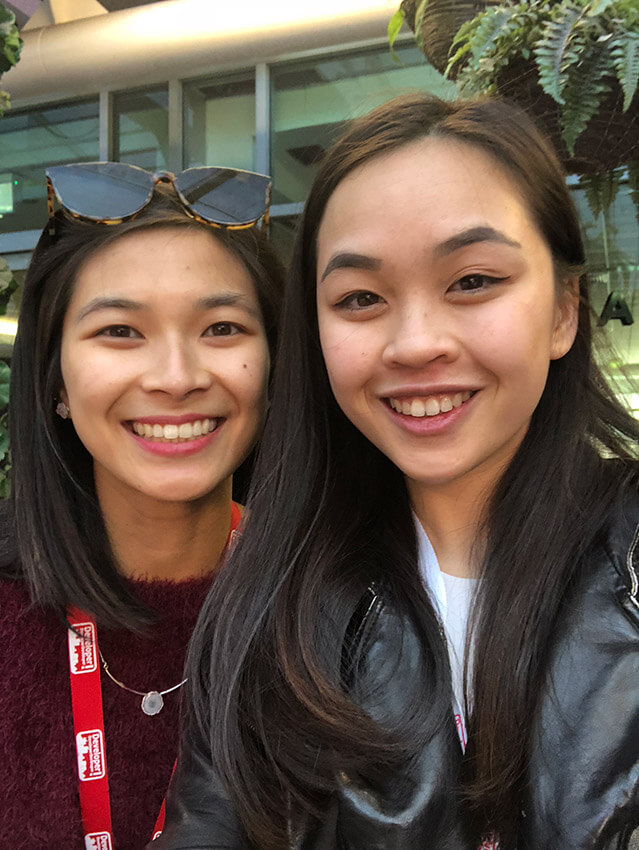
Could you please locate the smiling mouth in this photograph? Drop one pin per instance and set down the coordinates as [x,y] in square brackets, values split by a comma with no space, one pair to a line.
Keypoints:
[432,405]
[156,432]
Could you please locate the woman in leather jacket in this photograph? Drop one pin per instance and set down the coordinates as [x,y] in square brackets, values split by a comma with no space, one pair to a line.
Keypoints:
[428,634]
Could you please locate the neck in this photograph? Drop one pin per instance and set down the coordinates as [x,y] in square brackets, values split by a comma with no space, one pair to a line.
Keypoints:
[451,516]
[175,541]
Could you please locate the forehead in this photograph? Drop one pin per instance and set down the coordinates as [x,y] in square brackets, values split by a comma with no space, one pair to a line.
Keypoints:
[163,258]
[428,189]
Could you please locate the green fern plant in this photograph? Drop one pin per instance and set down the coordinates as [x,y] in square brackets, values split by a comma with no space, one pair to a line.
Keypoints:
[579,47]
[10,47]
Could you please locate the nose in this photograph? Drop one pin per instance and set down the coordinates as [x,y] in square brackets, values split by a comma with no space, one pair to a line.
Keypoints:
[176,367]
[420,336]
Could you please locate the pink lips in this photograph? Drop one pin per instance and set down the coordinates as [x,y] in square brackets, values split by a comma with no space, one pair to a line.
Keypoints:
[189,447]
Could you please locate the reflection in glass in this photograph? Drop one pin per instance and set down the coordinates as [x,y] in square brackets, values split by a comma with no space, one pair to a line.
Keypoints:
[142,128]
[608,206]
[219,122]
[31,140]
[311,100]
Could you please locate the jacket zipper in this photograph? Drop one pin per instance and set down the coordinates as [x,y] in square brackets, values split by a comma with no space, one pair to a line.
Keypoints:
[634,579]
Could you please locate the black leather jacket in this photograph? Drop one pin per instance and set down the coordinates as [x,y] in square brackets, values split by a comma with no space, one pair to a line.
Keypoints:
[583,783]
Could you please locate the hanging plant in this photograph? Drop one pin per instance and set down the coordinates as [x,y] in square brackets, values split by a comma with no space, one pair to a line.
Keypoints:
[435,23]
[573,64]
[10,47]
[582,54]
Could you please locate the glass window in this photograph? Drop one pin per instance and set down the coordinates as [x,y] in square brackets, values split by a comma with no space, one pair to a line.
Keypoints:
[30,140]
[219,122]
[609,212]
[281,232]
[141,121]
[310,101]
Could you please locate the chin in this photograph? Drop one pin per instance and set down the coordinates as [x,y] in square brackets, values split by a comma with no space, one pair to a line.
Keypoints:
[179,492]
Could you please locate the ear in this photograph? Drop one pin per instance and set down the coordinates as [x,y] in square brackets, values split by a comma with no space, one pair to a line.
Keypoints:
[566,318]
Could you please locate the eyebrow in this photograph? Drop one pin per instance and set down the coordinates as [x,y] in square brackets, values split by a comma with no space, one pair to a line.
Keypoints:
[107,303]
[228,299]
[350,260]
[472,236]
[209,302]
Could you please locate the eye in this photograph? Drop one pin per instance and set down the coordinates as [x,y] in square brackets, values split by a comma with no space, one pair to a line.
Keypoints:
[120,332]
[223,329]
[359,301]
[475,283]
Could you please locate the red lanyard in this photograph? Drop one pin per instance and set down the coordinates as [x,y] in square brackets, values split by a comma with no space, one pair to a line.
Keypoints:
[88,724]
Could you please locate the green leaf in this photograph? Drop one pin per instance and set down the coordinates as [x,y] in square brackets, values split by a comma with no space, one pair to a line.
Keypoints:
[488,30]
[551,53]
[625,59]
[5,374]
[419,20]
[7,279]
[10,41]
[394,26]
[590,184]
[597,7]
[5,487]
[8,285]
[583,92]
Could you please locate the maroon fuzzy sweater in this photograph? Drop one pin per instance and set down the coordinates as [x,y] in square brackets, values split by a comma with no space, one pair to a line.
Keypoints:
[39,807]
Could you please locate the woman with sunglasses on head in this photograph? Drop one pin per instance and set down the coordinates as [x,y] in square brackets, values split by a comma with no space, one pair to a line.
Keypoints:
[139,385]
[429,635]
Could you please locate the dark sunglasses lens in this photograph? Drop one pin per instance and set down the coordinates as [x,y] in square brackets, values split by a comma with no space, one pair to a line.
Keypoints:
[103,191]
[224,196]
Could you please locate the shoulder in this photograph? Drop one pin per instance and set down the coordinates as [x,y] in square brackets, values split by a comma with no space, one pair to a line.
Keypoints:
[14,599]
[25,628]
[588,707]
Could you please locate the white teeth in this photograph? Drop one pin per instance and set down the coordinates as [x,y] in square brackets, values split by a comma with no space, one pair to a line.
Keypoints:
[430,406]
[173,433]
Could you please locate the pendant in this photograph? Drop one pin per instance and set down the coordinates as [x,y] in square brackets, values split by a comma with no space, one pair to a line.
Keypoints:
[152,703]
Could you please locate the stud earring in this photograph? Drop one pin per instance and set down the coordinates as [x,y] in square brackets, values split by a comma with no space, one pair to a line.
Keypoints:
[62,410]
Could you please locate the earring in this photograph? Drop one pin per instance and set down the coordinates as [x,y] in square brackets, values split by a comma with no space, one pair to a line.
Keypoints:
[62,410]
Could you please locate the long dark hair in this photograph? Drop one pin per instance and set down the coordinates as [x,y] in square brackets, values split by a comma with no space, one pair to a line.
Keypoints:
[51,529]
[330,515]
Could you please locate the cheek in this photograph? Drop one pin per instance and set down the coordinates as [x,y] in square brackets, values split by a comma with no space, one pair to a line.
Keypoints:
[248,375]
[349,354]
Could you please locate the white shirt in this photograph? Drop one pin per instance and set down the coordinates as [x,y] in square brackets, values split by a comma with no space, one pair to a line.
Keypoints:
[452,598]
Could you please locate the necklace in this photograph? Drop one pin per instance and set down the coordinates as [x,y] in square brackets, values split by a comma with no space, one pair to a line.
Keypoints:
[152,701]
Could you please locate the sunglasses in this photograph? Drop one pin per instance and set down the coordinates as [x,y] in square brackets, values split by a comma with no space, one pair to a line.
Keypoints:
[113,192]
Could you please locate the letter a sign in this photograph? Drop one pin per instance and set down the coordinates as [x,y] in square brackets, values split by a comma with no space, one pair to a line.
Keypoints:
[615,308]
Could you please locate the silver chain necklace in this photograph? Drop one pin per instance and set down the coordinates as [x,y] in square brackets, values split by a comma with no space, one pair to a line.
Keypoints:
[152,701]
